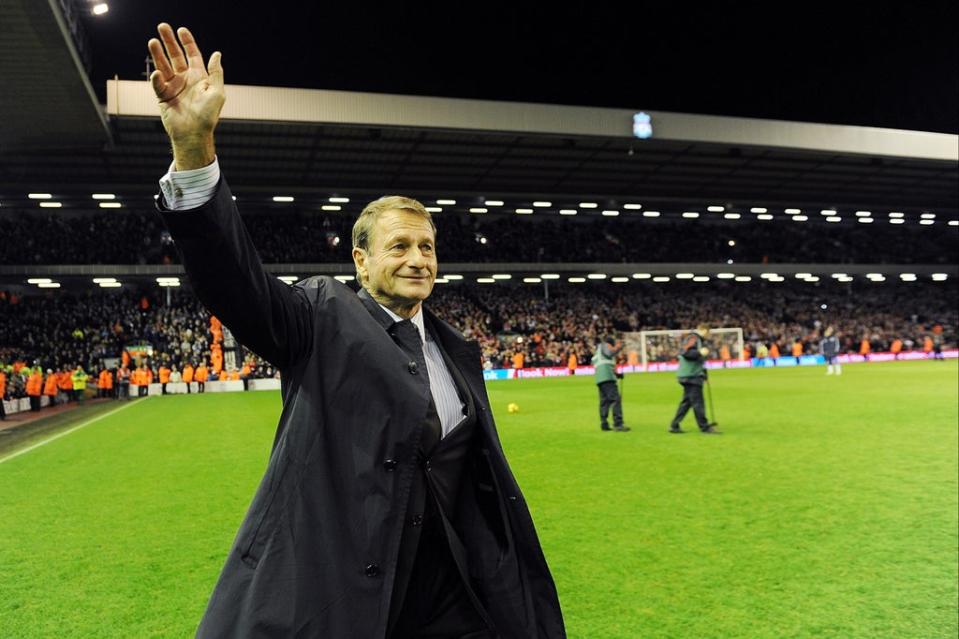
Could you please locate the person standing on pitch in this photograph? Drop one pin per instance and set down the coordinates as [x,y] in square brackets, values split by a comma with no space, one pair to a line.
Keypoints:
[604,362]
[830,351]
[388,508]
[691,376]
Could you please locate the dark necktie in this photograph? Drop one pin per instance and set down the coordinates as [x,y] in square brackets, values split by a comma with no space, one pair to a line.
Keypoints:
[408,338]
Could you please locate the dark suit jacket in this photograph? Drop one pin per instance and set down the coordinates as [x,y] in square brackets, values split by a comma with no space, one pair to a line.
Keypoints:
[316,553]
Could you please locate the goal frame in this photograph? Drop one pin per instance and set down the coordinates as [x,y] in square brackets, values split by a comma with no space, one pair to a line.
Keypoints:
[737,331]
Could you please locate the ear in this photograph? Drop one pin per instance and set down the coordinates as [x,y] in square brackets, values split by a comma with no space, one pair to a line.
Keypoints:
[360,257]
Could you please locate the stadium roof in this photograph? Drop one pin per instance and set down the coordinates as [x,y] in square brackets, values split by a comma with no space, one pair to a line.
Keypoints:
[314,143]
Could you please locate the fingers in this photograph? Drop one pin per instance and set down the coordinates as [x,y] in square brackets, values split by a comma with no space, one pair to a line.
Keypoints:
[159,84]
[172,47]
[193,54]
[215,69]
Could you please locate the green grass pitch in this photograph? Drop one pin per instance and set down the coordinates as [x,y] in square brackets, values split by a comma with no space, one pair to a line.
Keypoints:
[828,508]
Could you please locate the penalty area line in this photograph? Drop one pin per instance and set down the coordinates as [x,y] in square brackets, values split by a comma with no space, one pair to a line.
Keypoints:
[66,432]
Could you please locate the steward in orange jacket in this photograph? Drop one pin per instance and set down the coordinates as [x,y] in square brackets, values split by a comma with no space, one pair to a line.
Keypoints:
[164,377]
[34,388]
[105,384]
[50,386]
[201,375]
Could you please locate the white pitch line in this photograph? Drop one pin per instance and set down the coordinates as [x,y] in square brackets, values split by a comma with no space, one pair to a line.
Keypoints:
[67,432]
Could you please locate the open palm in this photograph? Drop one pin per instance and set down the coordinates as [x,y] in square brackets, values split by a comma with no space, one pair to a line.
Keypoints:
[190,93]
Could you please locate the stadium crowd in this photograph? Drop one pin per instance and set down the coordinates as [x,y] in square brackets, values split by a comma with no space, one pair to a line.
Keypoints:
[140,338]
[131,237]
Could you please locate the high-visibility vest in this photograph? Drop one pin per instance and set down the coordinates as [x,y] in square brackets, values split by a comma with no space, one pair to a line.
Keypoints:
[50,387]
[34,384]
[187,373]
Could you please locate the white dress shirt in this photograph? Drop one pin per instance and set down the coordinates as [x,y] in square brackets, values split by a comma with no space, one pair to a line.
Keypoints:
[191,189]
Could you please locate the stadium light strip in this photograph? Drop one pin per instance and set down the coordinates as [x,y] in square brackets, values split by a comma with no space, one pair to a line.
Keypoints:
[661,278]
[833,219]
[953,222]
[690,214]
[685,276]
[485,280]
[502,276]
[39,196]
[715,209]
[331,207]
[493,202]
[550,276]
[524,211]
[111,285]
[110,205]
[620,280]
[865,220]
[576,280]
[49,285]
[441,280]
[828,212]
[732,216]
[896,220]
[743,278]
[567,212]
[725,276]
[597,276]
[446,202]
[104,196]
[632,207]
[800,218]
[758,209]
[51,205]
[863,213]
[793,211]
[650,213]
[701,278]
[344,278]
[434,209]
[339,200]
[453,277]
[896,214]
[283,198]
[532,280]
[39,280]
[478,209]
[588,205]
[543,205]
[611,213]
[939,277]
[641,276]
[927,222]
[104,280]
[764,217]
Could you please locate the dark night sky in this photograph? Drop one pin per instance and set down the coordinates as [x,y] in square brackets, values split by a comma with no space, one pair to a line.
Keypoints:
[868,64]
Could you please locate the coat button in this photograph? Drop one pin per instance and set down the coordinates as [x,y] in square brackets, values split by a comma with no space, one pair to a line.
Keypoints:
[417,520]
[389,465]
[372,570]
[413,368]
[426,466]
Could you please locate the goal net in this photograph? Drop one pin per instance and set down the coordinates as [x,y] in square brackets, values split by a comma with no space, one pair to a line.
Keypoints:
[664,346]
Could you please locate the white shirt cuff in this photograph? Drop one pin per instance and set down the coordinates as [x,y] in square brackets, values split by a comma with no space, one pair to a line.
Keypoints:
[189,189]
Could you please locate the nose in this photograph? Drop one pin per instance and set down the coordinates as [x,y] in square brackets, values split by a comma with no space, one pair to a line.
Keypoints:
[415,258]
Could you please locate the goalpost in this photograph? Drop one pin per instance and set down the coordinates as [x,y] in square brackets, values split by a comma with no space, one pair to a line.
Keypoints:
[662,346]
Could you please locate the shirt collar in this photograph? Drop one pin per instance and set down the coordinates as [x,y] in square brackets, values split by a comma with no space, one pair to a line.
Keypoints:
[417,320]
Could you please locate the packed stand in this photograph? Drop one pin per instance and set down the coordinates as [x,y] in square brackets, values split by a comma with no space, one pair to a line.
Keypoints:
[131,237]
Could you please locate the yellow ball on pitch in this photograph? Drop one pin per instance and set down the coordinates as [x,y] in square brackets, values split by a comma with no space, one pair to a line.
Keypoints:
[513,407]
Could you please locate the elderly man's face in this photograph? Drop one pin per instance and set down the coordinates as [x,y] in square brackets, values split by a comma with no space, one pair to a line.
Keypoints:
[400,265]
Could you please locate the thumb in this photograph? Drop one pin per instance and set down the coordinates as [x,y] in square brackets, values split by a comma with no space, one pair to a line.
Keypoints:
[215,69]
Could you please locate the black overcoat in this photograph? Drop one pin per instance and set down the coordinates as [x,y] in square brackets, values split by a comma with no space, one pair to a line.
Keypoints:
[315,556]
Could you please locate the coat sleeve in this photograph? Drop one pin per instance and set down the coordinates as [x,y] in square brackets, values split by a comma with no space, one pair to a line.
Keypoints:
[269,317]
[690,351]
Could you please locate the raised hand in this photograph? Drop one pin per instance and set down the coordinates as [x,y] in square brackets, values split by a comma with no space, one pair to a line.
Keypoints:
[190,95]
